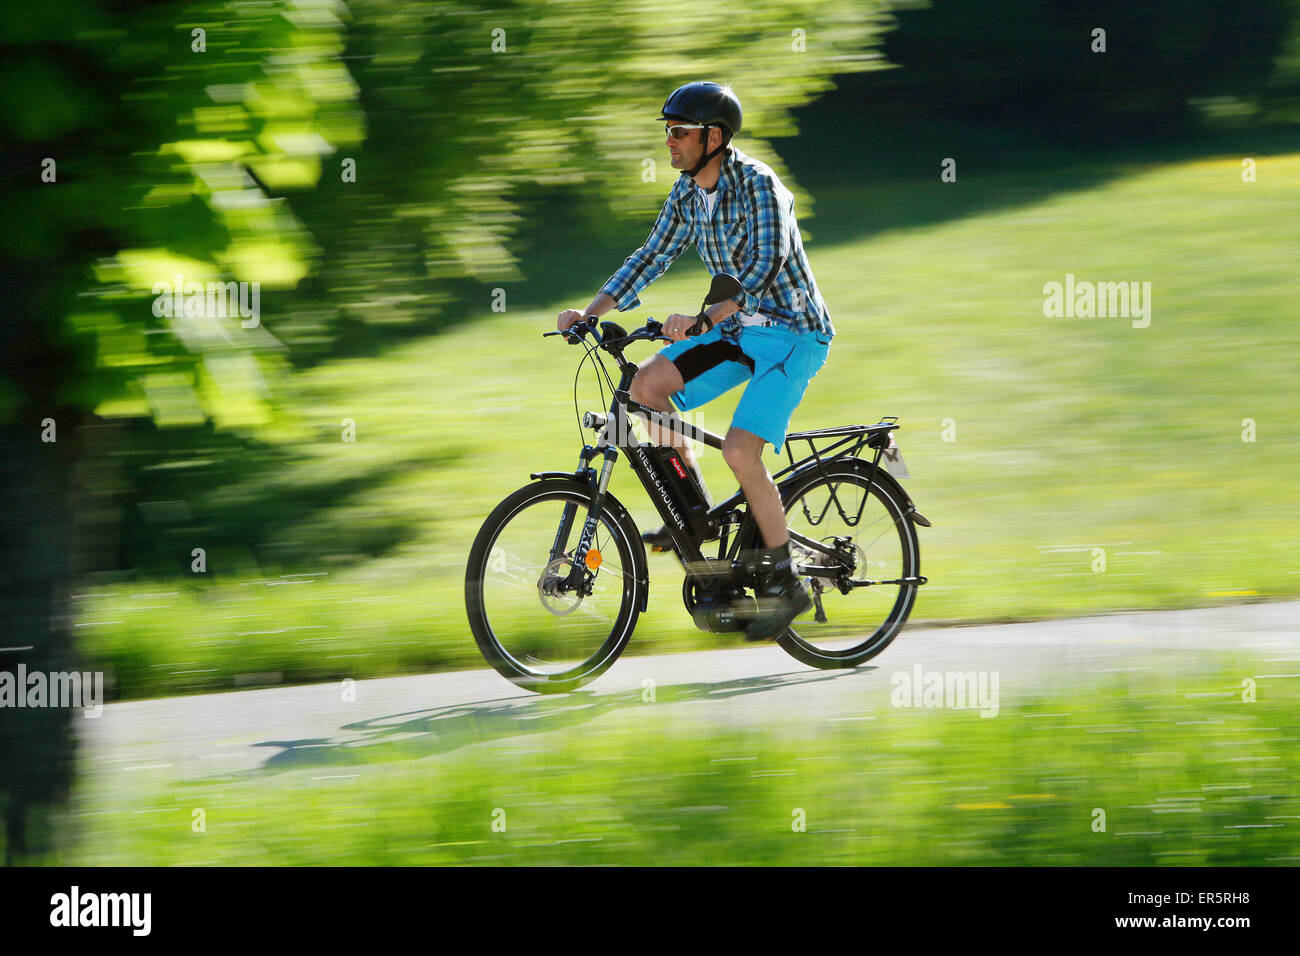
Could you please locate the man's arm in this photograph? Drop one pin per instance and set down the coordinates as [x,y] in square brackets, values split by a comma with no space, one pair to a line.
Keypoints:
[571,317]
[721,310]
[600,305]
[769,241]
[668,238]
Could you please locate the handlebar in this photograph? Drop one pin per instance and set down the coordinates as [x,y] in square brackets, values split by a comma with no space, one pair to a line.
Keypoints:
[723,286]
[574,333]
[652,331]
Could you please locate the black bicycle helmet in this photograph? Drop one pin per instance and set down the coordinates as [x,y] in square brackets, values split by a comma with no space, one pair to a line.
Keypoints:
[711,104]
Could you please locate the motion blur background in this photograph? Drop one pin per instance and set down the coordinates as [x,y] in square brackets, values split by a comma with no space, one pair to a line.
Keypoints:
[419,187]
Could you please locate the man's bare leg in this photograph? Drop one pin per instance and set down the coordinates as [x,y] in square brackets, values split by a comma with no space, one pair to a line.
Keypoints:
[743,452]
[780,595]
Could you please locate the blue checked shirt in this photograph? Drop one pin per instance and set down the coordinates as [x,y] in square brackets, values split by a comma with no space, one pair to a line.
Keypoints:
[752,234]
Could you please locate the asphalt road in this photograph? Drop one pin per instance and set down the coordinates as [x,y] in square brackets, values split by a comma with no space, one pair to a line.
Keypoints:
[291,728]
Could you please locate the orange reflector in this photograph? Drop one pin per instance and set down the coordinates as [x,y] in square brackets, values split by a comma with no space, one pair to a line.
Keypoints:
[593,559]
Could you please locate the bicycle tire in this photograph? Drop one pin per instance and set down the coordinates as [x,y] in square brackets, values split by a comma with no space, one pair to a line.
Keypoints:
[896,506]
[631,552]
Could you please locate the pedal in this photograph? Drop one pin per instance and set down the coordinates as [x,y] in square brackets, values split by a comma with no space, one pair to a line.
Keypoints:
[660,541]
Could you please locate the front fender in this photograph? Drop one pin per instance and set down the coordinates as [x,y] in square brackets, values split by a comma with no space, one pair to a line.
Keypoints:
[586,474]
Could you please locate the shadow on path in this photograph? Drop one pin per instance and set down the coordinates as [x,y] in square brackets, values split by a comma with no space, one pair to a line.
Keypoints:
[425,733]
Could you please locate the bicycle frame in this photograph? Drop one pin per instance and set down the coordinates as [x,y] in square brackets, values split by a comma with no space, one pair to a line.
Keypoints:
[616,434]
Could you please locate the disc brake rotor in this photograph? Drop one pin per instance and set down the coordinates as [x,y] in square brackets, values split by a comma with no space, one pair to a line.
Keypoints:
[553,575]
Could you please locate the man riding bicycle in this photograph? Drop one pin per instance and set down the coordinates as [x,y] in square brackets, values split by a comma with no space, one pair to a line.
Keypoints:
[775,336]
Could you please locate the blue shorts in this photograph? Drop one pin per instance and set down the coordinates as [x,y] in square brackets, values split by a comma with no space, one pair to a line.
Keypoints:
[777,363]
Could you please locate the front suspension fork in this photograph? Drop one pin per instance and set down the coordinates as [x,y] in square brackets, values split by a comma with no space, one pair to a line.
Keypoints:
[581,575]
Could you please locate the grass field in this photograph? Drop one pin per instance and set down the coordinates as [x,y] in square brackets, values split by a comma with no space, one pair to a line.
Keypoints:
[1135,769]
[1040,447]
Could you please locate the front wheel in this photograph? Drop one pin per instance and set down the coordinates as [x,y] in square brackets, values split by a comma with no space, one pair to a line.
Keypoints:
[543,622]
[868,523]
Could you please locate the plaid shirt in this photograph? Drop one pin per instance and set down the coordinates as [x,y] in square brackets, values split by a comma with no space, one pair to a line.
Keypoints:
[752,234]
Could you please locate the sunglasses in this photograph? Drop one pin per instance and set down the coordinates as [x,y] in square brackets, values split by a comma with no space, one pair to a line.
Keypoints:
[679,130]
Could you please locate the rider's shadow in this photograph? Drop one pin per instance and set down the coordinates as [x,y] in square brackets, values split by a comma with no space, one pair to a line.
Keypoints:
[426,733]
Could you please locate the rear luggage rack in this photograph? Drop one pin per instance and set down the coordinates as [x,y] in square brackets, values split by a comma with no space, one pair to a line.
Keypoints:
[887,424]
[851,440]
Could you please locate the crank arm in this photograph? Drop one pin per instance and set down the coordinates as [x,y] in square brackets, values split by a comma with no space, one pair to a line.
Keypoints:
[811,545]
[824,571]
[918,580]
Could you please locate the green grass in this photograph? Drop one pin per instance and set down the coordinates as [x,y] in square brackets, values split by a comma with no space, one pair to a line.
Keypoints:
[1186,772]
[1070,434]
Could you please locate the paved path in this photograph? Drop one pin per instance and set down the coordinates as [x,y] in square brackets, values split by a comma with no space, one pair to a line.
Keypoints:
[186,738]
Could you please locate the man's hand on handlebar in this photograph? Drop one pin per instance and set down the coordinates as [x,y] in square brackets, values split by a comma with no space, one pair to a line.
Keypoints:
[679,326]
[601,304]
[574,325]
[569,318]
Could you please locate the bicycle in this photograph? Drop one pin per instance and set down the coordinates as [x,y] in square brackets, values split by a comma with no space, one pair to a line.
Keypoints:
[551,614]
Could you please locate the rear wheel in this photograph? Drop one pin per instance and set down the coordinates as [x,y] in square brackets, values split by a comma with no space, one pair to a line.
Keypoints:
[869,526]
[543,623]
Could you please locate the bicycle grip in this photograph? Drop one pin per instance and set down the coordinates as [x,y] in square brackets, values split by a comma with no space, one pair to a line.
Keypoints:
[699,326]
[574,333]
